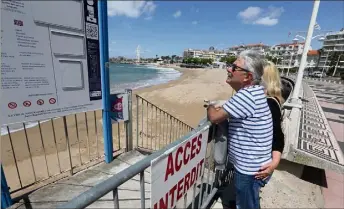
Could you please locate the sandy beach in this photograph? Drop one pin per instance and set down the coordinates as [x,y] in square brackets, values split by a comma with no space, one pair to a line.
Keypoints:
[182,98]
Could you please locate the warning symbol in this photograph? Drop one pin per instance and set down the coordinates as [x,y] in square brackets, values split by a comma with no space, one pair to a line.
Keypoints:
[12,105]
[27,103]
[40,102]
[52,100]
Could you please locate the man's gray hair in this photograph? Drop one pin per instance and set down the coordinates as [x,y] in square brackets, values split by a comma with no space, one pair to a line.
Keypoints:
[254,62]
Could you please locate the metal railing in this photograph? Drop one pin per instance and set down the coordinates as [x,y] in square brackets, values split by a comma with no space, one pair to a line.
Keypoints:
[155,128]
[37,153]
[202,194]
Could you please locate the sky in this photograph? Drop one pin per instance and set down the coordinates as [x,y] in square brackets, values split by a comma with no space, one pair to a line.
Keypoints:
[168,27]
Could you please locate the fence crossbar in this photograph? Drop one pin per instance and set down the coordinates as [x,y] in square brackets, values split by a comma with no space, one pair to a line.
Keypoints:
[101,189]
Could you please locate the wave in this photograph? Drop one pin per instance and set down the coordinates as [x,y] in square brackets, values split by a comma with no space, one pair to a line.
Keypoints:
[164,75]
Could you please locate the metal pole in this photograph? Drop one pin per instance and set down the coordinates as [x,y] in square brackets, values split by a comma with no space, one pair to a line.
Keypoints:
[298,83]
[130,121]
[291,58]
[6,200]
[335,69]
[322,72]
[104,59]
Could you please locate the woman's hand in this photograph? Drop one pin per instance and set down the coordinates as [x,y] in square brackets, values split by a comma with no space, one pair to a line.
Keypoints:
[266,170]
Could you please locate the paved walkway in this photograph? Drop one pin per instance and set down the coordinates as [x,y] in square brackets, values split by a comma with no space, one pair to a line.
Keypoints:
[334,111]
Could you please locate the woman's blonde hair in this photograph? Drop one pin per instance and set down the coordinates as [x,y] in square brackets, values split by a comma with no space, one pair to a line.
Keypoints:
[272,81]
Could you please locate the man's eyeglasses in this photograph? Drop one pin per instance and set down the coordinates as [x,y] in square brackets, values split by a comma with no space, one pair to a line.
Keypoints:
[235,68]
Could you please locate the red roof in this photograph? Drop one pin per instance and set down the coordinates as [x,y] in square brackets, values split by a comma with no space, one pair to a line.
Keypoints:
[313,52]
[291,44]
[248,45]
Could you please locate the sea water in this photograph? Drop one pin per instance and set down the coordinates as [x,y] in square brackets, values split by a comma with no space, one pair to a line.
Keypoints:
[124,76]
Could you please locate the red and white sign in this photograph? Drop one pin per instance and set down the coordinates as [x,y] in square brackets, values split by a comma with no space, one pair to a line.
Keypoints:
[26,103]
[12,105]
[175,172]
[40,102]
[52,100]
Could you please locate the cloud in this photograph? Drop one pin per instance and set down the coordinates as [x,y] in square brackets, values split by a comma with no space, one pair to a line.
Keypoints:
[177,14]
[194,9]
[132,9]
[194,22]
[149,18]
[260,16]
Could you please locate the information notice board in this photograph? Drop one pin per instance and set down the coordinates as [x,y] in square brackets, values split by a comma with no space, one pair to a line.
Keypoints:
[50,61]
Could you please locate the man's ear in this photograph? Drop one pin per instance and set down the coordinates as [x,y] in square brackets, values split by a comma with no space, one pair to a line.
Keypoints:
[249,77]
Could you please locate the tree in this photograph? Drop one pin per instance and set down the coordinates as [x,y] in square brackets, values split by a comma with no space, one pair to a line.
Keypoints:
[333,58]
[228,60]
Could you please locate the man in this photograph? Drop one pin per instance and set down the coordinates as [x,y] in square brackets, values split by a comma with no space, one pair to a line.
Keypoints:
[250,127]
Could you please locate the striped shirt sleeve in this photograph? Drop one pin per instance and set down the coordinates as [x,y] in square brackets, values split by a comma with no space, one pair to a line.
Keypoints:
[241,105]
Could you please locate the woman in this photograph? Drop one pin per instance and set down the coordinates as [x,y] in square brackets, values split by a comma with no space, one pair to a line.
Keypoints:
[273,88]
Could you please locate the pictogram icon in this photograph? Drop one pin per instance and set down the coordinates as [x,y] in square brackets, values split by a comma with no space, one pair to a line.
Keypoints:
[52,100]
[40,102]
[27,103]
[12,105]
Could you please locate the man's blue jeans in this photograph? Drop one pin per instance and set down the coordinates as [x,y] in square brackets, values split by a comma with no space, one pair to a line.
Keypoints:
[247,190]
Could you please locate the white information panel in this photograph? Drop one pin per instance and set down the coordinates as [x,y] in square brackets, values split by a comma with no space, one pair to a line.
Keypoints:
[175,172]
[50,62]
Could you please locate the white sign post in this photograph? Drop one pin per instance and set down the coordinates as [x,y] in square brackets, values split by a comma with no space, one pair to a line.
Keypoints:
[50,62]
[176,171]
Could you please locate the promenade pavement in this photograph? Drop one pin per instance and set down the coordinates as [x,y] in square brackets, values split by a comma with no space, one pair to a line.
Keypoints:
[331,99]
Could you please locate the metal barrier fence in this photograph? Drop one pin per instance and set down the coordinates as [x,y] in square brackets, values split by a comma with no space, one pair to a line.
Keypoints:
[37,153]
[202,194]
[155,128]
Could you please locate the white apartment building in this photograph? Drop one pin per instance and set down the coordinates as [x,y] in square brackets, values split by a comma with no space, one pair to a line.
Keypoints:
[333,42]
[205,54]
[262,48]
[288,54]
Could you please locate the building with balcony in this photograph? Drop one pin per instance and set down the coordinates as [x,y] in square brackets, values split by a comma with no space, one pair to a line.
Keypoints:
[287,54]
[333,42]
[262,48]
[212,53]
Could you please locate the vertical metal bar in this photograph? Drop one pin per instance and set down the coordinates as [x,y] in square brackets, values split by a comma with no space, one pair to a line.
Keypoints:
[147,124]
[28,147]
[77,136]
[164,129]
[170,129]
[185,200]
[105,79]
[14,156]
[142,123]
[115,198]
[151,129]
[6,200]
[200,195]
[193,196]
[137,121]
[119,136]
[57,150]
[68,144]
[45,155]
[142,188]
[156,127]
[96,130]
[129,128]
[159,133]
[87,138]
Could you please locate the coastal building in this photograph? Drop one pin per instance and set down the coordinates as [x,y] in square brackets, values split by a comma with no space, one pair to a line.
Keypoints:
[287,54]
[261,48]
[212,53]
[333,42]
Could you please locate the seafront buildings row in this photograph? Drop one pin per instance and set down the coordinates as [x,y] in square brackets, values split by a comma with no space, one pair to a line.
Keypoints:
[288,55]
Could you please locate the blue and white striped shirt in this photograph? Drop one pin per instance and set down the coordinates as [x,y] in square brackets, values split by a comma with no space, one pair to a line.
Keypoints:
[250,129]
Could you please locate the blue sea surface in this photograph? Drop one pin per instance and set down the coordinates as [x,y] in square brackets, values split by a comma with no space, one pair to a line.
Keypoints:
[124,76]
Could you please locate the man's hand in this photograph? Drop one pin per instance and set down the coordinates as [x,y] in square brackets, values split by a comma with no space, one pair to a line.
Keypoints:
[216,115]
[266,170]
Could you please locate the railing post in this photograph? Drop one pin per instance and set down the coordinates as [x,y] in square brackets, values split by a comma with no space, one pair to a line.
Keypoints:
[6,200]
[104,67]
[129,131]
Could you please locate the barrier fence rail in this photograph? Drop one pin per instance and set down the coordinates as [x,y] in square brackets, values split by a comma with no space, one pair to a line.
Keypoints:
[37,153]
[201,195]
[155,128]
